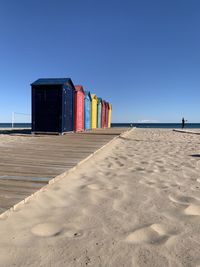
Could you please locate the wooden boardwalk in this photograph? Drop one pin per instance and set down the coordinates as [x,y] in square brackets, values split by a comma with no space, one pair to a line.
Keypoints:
[29,162]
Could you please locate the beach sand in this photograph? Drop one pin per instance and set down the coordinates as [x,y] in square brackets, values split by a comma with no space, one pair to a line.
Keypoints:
[135,203]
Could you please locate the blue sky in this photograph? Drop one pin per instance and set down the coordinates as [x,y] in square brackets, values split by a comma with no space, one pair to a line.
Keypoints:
[143,56]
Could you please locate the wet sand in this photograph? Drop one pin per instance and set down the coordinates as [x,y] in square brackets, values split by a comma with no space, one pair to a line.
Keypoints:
[135,203]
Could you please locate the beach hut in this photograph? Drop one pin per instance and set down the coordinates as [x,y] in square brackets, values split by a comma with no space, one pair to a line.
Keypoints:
[94,111]
[103,113]
[87,110]
[53,105]
[106,114]
[99,106]
[109,114]
[79,108]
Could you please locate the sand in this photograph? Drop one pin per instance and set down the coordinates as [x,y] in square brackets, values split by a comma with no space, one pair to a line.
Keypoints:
[135,203]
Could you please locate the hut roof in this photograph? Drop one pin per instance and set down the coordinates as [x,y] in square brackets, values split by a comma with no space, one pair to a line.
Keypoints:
[87,93]
[52,81]
[94,96]
[79,88]
[99,100]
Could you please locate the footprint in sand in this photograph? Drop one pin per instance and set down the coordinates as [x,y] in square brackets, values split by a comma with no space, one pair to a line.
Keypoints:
[73,233]
[53,229]
[94,186]
[162,186]
[190,207]
[143,257]
[155,184]
[195,187]
[115,164]
[182,199]
[119,163]
[46,229]
[152,234]
[150,183]
[101,187]
[192,210]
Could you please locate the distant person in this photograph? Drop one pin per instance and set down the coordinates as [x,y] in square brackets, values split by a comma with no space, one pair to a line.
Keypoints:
[183,122]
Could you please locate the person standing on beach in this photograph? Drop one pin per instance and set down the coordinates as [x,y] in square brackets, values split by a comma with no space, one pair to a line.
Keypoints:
[183,123]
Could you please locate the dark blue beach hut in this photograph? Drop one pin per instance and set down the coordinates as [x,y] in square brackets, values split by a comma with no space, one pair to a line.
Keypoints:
[53,105]
[87,110]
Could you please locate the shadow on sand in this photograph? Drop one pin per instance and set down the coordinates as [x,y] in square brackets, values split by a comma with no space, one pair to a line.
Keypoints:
[27,132]
[16,131]
[195,155]
[127,139]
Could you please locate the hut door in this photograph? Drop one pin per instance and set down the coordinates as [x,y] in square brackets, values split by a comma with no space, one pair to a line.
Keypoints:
[47,110]
[87,113]
[69,109]
[64,121]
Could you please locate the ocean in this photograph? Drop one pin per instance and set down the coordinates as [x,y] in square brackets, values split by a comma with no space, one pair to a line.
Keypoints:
[16,125]
[139,125]
[156,125]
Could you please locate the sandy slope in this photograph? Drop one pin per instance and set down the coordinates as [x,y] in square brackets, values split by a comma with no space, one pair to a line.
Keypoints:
[137,203]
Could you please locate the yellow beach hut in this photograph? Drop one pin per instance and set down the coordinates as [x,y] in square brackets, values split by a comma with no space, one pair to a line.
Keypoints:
[94,111]
[109,114]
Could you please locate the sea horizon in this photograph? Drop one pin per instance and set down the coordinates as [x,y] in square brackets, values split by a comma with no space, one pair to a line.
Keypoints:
[122,124]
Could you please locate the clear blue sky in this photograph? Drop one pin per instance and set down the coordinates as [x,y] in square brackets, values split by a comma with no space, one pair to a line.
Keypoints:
[143,56]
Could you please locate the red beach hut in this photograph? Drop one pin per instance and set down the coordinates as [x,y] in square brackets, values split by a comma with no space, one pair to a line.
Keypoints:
[103,114]
[79,108]
[106,113]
